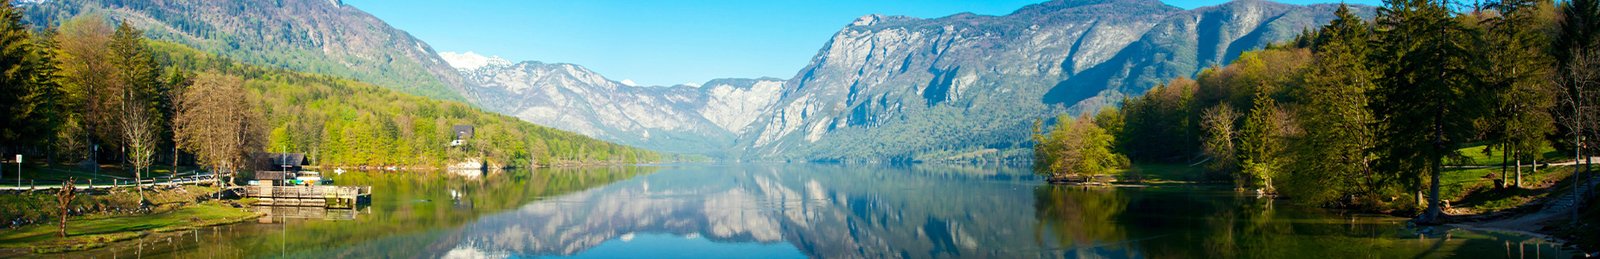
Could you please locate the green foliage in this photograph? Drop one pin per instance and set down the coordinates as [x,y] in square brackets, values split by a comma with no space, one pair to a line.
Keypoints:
[344,122]
[28,107]
[1357,114]
[1076,146]
[1333,159]
[337,121]
[291,36]
[1160,125]
[1428,97]
[1262,142]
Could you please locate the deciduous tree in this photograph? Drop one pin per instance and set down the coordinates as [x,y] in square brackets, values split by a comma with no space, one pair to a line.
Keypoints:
[218,124]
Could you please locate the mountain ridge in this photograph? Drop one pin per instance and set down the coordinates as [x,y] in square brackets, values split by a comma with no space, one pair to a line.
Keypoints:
[317,36]
[958,87]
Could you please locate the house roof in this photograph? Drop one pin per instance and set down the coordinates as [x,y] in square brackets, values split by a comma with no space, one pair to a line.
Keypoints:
[279,160]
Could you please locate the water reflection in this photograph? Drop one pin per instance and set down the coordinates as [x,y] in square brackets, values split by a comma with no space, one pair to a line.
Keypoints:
[798,210]
[827,211]
[855,211]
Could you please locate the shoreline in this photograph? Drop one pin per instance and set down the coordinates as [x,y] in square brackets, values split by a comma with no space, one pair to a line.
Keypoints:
[93,233]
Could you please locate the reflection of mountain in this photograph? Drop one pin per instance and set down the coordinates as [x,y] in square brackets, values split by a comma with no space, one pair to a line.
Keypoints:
[826,211]
[831,211]
[409,211]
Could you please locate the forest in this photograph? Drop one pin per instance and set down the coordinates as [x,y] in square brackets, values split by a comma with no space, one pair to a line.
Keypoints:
[1365,113]
[93,92]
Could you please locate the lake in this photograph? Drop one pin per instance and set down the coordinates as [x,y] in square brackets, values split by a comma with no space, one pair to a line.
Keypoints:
[809,210]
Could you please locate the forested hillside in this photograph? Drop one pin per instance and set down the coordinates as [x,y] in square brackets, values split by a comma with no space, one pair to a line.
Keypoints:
[1367,113]
[316,36]
[94,91]
[345,122]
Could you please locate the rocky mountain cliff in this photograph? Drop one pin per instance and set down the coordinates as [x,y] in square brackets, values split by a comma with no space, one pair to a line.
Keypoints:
[894,88]
[702,119]
[968,87]
[318,36]
[884,88]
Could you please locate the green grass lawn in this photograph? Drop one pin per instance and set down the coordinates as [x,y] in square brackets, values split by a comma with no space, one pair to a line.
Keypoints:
[1476,156]
[1471,188]
[91,233]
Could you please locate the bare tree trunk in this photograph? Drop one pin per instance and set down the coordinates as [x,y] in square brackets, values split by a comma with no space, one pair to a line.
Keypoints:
[1519,171]
[64,199]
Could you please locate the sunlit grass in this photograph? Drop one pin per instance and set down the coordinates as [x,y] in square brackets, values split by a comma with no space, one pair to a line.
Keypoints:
[1476,156]
[91,233]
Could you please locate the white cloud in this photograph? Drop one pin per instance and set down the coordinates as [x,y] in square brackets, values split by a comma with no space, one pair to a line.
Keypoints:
[692,84]
[470,60]
[629,82]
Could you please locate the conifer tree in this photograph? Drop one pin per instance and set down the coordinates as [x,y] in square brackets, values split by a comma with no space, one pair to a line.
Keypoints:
[28,89]
[1517,69]
[1335,155]
[1427,96]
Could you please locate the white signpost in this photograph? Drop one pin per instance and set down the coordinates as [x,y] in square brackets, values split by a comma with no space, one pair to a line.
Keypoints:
[19,170]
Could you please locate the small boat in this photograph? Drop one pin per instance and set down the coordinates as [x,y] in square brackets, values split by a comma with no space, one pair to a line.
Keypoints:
[338,171]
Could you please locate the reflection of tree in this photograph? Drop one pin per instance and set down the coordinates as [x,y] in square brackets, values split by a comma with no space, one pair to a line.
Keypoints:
[411,212]
[1081,219]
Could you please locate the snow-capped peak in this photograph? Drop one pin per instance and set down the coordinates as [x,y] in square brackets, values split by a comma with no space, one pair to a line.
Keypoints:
[471,61]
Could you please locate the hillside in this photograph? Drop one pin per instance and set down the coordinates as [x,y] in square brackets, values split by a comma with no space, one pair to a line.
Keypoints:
[344,122]
[315,36]
[895,88]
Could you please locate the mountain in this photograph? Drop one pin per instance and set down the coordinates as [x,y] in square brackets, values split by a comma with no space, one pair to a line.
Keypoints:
[317,36]
[895,88]
[703,119]
[968,87]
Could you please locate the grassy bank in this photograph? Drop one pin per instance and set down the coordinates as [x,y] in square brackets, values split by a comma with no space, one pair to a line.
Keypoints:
[87,233]
[40,207]
[103,216]
[1472,191]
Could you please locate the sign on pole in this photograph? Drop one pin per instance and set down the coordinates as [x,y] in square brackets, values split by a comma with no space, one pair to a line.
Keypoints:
[19,158]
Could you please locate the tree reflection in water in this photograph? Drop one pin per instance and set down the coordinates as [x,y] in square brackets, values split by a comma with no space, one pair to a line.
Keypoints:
[812,210]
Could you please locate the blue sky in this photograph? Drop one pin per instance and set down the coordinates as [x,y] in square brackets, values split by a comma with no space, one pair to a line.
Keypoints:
[655,42]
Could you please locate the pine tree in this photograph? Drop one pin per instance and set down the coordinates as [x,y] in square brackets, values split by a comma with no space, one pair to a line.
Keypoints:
[1334,157]
[27,80]
[1261,143]
[143,97]
[1517,70]
[1426,99]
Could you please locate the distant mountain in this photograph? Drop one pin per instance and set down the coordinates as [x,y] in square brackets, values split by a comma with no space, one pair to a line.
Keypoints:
[967,86]
[962,87]
[317,36]
[702,119]
[895,88]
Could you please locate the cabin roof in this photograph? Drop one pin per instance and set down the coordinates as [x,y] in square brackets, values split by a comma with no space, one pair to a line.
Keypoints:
[280,160]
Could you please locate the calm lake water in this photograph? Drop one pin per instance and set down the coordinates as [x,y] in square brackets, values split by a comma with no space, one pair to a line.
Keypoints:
[800,210]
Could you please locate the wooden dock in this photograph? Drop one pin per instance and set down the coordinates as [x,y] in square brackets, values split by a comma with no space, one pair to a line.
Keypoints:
[308,196]
[319,213]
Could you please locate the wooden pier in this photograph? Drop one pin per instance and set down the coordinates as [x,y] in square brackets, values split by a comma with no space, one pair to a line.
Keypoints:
[308,196]
[290,212]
